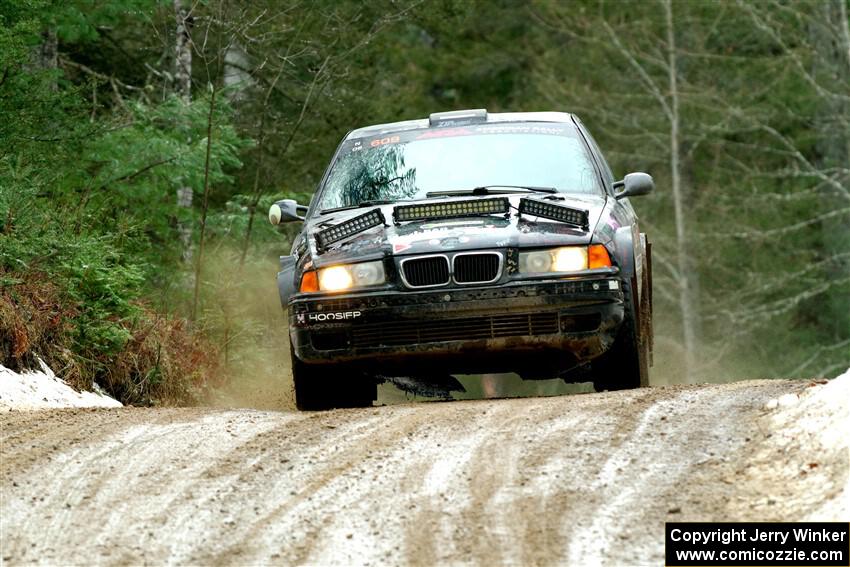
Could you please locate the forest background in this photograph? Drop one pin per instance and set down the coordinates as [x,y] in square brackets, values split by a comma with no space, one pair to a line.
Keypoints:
[142,141]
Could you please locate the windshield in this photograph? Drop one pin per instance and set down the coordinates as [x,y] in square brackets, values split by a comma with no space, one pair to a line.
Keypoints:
[408,165]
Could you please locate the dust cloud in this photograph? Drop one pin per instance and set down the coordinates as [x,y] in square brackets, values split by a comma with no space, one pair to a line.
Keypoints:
[243,315]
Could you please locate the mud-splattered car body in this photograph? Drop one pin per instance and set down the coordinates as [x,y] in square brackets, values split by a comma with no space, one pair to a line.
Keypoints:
[459,292]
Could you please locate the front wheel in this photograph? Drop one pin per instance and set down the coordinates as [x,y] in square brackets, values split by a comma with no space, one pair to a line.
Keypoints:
[326,386]
[626,364]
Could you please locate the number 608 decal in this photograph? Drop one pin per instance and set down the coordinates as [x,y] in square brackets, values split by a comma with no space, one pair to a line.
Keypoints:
[381,141]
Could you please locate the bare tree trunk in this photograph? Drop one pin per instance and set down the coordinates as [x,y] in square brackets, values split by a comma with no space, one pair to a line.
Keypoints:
[844,34]
[183,87]
[844,27]
[686,288]
[830,38]
[183,51]
[48,50]
[205,207]
[236,78]
[258,191]
[45,55]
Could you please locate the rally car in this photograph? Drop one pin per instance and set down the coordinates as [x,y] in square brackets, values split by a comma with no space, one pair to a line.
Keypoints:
[467,242]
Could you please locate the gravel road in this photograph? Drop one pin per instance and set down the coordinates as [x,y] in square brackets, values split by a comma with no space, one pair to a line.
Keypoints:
[583,479]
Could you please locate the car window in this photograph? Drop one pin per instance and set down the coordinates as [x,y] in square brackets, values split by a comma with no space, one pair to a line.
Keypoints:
[606,169]
[410,164]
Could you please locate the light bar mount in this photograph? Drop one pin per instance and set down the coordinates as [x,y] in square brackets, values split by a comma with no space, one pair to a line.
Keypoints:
[452,209]
[348,228]
[578,218]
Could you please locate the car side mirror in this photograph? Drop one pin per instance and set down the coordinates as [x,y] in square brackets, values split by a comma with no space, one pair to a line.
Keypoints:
[634,184]
[286,210]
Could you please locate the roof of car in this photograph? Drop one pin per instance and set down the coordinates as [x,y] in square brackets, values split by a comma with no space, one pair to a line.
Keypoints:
[487,118]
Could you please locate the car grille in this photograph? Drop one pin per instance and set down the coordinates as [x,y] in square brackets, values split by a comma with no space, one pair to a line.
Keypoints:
[476,268]
[426,272]
[583,288]
[417,332]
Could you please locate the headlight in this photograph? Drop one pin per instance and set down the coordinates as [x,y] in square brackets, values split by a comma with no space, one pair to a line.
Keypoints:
[347,276]
[566,259]
[335,278]
[569,259]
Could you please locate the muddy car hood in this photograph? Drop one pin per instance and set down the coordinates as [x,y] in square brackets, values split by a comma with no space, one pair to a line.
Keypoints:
[448,235]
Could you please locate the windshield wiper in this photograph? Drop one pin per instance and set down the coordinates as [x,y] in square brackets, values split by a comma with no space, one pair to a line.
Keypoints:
[484,190]
[493,190]
[359,205]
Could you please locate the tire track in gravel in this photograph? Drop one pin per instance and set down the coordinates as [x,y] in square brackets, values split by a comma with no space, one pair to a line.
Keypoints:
[125,476]
[563,462]
[645,476]
[328,472]
[581,479]
[592,542]
[506,487]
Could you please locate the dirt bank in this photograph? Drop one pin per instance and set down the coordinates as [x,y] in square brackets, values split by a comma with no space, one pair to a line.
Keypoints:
[577,479]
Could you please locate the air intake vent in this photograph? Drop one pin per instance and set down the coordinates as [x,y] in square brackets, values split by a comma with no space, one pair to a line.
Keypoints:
[477,268]
[396,333]
[430,271]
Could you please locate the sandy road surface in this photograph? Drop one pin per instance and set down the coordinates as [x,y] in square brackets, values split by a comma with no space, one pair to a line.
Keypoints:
[575,480]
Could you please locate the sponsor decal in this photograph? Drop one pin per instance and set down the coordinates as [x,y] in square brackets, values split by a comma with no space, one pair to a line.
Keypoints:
[333,316]
[384,141]
[436,233]
[443,133]
[445,225]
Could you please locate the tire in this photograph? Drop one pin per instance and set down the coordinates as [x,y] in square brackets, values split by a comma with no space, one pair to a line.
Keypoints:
[626,364]
[321,387]
[646,314]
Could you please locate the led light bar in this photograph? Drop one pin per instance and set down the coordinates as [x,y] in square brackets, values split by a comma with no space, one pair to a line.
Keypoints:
[457,117]
[452,209]
[566,215]
[348,228]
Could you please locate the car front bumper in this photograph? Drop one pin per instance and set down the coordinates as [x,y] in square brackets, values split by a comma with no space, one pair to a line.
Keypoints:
[550,323]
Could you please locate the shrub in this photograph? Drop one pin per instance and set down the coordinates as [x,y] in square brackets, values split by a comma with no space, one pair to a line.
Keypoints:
[73,299]
[144,359]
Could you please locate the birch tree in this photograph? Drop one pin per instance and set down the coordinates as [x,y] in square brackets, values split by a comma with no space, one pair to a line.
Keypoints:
[805,127]
[183,88]
[642,61]
[743,121]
